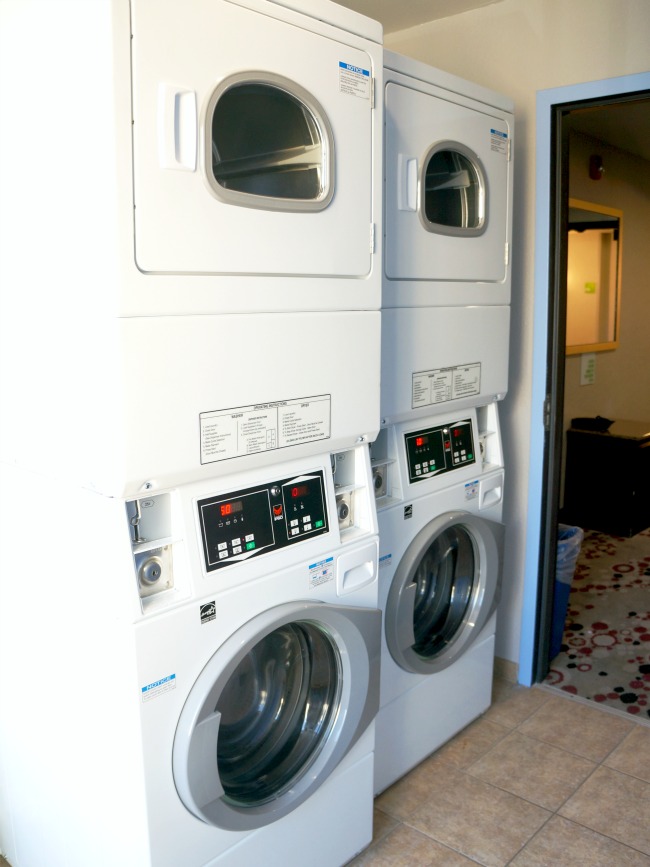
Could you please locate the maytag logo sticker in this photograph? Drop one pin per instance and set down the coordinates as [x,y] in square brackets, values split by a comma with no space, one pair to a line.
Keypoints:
[208,612]
[408,512]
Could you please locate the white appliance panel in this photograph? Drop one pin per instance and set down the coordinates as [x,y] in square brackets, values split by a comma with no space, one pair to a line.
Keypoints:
[446,139]
[165,400]
[439,359]
[180,225]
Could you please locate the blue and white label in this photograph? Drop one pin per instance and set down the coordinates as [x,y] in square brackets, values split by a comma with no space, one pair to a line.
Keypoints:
[321,572]
[385,560]
[354,80]
[471,490]
[158,687]
[499,141]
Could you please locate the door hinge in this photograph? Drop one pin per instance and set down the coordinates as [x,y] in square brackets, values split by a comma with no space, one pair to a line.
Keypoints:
[372,238]
[547,412]
[373,82]
[509,150]
[506,256]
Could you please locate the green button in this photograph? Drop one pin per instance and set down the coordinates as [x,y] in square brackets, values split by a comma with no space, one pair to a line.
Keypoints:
[318,524]
[250,546]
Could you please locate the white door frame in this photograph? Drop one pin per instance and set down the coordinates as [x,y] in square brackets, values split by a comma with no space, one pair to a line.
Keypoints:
[546,99]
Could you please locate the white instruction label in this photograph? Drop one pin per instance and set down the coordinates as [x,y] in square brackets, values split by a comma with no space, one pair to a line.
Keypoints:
[158,687]
[446,383]
[471,490]
[354,80]
[245,430]
[321,572]
[499,141]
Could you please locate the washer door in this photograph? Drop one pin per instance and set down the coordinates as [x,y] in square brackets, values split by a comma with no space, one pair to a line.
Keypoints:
[275,710]
[444,591]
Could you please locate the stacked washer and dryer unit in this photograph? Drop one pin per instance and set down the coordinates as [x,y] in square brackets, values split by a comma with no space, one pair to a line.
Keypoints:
[190,630]
[438,461]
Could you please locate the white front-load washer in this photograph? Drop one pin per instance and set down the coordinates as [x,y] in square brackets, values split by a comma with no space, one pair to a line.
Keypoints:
[198,682]
[440,494]
[448,189]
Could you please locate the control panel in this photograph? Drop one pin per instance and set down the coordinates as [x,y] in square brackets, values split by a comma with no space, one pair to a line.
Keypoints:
[248,522]
[439,449]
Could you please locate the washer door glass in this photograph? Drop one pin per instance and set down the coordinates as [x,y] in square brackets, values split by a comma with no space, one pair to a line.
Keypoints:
[268,145]
[444,590]
[276,711]
[444,580]
[453,197]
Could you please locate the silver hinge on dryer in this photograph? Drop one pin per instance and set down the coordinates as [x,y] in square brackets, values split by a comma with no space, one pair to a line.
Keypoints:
[373,81]
[372,238]
[506,254]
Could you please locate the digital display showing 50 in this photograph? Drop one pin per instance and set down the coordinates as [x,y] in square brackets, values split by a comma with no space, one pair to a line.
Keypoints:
[231,508]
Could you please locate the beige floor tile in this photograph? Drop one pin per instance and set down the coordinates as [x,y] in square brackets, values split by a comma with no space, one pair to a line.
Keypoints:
[561,843]
[512,704]
[532,770]
[382,824]
[577,728]
[476,819]
[406,795]
[405,847]
[615,805]
[633,754]
[473,742]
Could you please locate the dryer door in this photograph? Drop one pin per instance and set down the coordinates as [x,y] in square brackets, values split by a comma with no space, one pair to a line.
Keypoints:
[447,189]
[275,710]
[253,143]
[444,591]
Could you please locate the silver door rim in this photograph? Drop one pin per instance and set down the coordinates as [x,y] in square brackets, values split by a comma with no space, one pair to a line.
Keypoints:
[356,635]
[487,540]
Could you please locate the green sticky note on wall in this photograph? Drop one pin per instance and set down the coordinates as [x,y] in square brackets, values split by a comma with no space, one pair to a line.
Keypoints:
[590,288]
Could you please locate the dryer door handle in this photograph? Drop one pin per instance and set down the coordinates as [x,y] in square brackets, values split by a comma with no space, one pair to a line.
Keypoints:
[407,183]
[177,128]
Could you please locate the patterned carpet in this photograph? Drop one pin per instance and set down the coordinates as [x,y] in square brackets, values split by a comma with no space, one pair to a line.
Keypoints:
[605,650]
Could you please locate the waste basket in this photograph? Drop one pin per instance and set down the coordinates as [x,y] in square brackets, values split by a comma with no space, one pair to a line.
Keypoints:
[569,540]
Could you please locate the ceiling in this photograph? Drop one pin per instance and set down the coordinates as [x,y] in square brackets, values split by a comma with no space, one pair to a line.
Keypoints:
[624,126]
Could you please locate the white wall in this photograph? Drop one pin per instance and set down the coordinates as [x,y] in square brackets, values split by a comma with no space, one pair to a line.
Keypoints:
[519,47]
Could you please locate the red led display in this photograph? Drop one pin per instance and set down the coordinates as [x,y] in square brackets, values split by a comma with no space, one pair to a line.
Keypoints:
[299,491]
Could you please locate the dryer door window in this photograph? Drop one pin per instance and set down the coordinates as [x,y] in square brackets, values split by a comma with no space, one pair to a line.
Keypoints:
[268,145]
[275,710]
[453,191]
[443,592]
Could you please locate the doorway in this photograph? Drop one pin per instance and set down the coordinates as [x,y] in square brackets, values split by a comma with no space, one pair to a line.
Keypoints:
[547,425]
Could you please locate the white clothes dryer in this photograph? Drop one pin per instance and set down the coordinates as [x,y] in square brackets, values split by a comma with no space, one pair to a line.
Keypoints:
[194,268]
[441,541]
[448,189]
[227,153]
[219,673]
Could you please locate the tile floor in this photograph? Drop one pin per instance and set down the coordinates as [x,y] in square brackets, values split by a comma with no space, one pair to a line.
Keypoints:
[539,779]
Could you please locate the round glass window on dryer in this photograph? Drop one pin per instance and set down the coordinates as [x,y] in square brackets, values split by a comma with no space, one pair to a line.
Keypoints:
[268,145]
[453,191]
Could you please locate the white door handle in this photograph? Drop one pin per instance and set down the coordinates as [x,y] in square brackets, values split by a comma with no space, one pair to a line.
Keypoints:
[177,128]
[407,183]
